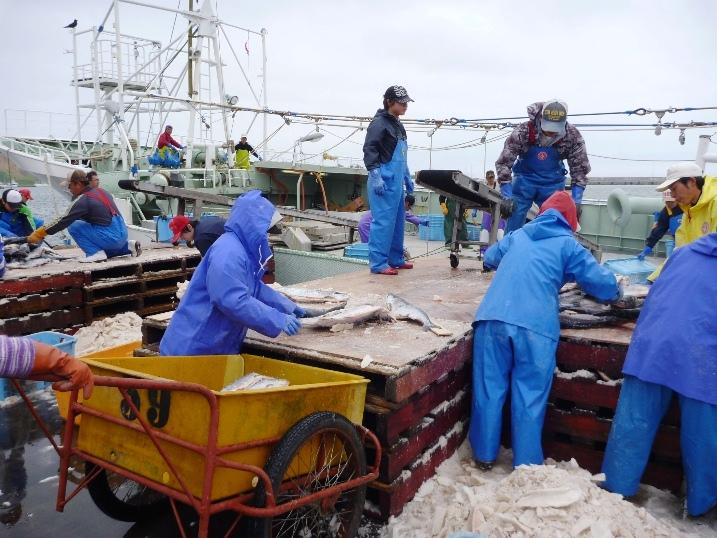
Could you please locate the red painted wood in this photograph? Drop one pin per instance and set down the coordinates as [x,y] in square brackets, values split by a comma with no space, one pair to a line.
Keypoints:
[446,360]
[40,303]
[390,426]
[393,497]
[25,286]
[406,450]
[573,356]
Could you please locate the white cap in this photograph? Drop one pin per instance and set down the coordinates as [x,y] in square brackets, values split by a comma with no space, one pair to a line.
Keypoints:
[275,218]
[13,197]
[677,172]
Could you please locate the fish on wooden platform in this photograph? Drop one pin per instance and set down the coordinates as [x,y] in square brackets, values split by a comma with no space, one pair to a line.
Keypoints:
[402,309]
[347,317]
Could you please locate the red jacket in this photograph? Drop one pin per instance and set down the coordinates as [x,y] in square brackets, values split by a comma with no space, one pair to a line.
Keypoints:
[165,139]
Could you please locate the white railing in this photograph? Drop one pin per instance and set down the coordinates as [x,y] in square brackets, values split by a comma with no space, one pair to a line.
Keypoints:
[134,56]
[38,124]
[315,159]
[35,150]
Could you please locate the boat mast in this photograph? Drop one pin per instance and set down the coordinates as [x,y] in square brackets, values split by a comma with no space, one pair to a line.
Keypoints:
[263,83]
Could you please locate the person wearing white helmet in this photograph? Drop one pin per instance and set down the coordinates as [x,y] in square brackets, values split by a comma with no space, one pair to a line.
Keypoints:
[666,222]
[696,194]
[241,154]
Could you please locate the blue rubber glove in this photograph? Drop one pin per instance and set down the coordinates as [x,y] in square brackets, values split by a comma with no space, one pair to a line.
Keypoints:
[645,252]
[292,325]
[506,189]
[577,194]
[299,312]
[375,182]
[424,222]
[409,184]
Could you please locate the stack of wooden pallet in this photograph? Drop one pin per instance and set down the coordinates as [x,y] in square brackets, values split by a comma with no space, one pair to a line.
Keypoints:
[66,295]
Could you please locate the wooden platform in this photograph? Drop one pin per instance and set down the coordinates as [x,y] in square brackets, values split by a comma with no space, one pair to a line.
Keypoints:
[68,294]
[418,399]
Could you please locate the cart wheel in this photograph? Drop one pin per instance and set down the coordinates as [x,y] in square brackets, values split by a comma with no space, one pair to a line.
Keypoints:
[329,444]
[454,260]
[123,499]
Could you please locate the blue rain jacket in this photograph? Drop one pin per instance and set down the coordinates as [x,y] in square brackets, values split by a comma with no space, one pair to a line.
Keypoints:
[533,263]
[226,296]
[16,224]
[675,340]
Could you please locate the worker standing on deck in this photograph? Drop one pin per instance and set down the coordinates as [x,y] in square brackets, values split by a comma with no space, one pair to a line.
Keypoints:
[384,154]
[672,353]
[241,154]
[94,222]
[364,226]
[165,143]
[666,222]
[516,327]
[16,218]
[202,233]
[540,145]
[226,296]
[696,195]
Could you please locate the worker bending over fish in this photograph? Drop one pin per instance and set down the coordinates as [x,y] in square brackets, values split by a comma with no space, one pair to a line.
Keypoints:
[94,222]
[201,233]
[384,154]
[540,145]
[226,295]
[16,219]
[516,327]
[673,353]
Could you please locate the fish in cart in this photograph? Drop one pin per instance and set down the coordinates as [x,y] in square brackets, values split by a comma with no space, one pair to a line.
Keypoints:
[402,309]
[348,317]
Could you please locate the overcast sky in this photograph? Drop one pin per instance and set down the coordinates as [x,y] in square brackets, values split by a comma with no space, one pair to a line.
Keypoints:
[457,59]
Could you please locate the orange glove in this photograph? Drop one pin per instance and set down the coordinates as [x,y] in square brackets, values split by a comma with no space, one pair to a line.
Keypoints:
[74,372]
[37,236]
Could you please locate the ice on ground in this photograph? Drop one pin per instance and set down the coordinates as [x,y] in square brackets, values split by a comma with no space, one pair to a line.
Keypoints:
[108,332]
[544,501]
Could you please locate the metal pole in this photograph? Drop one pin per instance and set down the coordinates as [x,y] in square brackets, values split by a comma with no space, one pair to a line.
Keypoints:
[220,81]
[96,85]
[120,81]
[77,88]
[263,80]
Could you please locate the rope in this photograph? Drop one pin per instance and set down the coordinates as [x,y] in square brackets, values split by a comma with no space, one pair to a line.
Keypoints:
[639,160]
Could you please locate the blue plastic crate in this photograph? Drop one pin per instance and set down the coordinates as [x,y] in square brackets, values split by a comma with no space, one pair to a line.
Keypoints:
[164,234]
[357,250]
[434,230]
[63,342]
[634,269]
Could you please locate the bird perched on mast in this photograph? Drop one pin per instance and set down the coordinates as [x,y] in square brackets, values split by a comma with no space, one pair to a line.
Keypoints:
[73,24]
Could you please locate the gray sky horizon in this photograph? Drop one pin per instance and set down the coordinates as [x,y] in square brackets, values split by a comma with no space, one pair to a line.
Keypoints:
[456,58]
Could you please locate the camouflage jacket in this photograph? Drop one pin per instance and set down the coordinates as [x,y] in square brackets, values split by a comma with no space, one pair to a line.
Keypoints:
[570,147]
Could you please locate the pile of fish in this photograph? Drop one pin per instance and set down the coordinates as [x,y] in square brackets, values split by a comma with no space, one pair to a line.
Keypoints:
[22,256]
[254,381]
[578,310]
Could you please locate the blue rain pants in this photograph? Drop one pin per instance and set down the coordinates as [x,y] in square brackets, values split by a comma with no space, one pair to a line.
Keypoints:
[637,419]
[536,175]
[92,238]
[385,242]
[506,355]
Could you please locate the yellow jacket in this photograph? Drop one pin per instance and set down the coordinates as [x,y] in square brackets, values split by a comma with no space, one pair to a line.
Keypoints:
[697,220]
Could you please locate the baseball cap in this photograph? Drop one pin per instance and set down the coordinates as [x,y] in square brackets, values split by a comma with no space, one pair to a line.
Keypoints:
[397,93]
[12,197]
[177,225]
[554,116]
[26,194]
[676,172]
